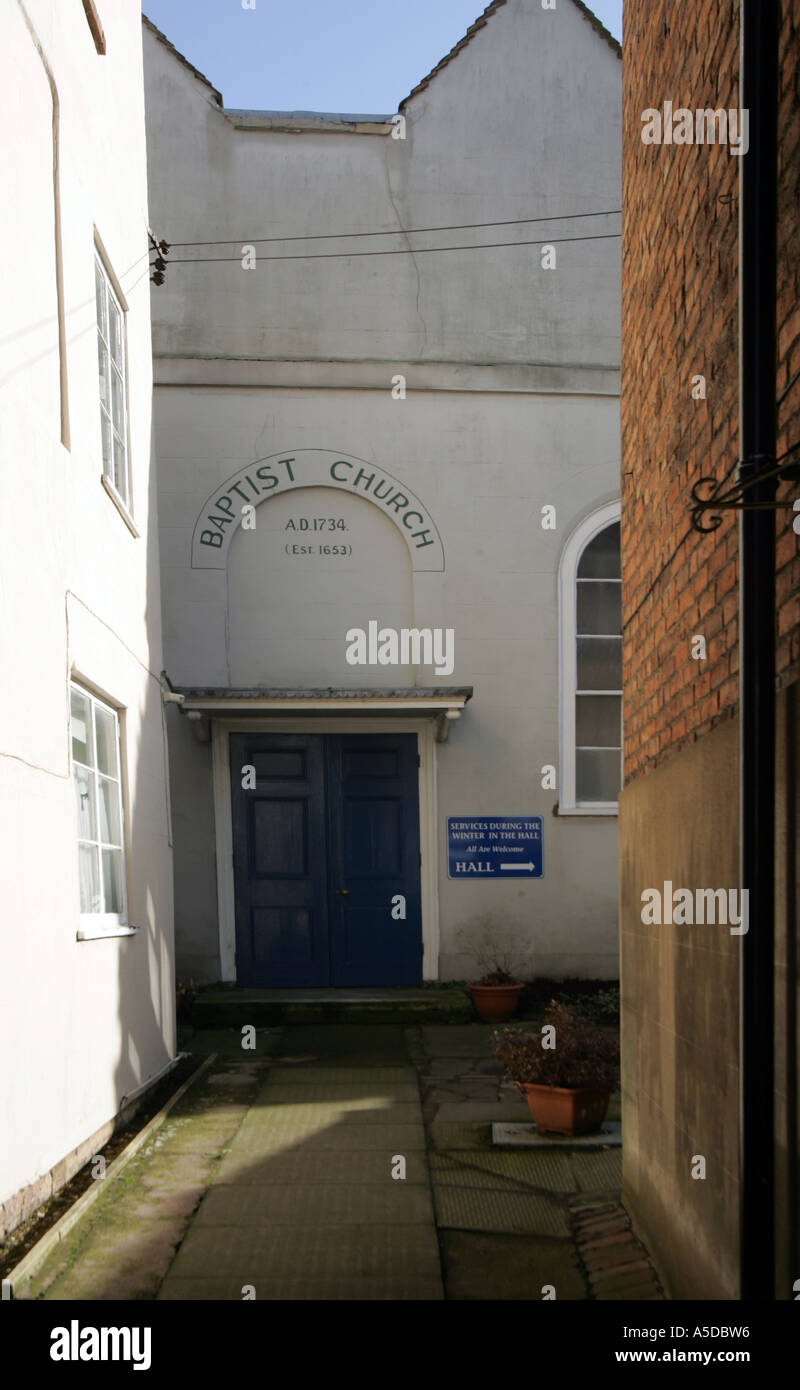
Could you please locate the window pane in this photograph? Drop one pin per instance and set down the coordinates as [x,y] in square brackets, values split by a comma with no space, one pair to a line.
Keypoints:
[85,802]
[106,730]
[600,559]
[117,399]
[81,727]
[599,607]
[597,775]
[89,879]
[599,663]
[102,372]
[120,476]
[115,331]
[109,812]
[598,721]
[112,880]
[105,426]
[100,300]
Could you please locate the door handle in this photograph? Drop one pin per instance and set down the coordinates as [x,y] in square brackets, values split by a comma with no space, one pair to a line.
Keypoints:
[342,892]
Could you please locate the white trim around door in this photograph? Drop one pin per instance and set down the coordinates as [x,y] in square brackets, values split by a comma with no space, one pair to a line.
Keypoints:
[429,872]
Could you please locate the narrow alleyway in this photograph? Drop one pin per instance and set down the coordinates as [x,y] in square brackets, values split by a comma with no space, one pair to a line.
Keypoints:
[350,1162]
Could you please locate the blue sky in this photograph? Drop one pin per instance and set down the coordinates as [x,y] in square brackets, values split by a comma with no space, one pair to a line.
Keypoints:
[322,55]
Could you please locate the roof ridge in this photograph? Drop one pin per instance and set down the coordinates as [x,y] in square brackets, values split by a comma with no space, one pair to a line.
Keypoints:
[182,59]
[599,27]
[479,23]
[483,20]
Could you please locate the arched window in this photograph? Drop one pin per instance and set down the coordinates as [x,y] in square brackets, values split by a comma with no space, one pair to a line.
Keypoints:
[590,627]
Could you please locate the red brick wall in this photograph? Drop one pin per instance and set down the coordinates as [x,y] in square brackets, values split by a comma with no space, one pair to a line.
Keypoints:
[679,319]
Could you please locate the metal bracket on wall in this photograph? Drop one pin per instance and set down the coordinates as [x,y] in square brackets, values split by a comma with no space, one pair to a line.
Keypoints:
[159,265]
[443,723]
[726,496]
[200,727]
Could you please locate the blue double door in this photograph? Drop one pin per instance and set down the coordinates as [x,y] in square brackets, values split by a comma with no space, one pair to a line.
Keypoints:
[326,859]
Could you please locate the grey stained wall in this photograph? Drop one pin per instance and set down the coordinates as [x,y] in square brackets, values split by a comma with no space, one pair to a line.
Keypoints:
[511,403]
[679,1032]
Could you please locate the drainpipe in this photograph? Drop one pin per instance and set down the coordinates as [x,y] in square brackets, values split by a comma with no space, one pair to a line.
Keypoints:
[758,88]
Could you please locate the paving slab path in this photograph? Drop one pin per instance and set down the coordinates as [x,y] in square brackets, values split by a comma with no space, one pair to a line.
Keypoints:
[349,1162]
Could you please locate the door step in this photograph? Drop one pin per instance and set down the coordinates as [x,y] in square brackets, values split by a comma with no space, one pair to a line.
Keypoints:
[231,1007]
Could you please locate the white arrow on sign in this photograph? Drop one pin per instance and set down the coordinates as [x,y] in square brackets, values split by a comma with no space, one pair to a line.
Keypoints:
[518,866]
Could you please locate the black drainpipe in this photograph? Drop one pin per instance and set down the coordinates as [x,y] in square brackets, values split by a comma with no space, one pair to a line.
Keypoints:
[758,88]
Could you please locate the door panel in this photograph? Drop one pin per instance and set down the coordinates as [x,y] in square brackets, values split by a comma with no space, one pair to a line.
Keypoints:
[279,860]
[325,840]
[373,821]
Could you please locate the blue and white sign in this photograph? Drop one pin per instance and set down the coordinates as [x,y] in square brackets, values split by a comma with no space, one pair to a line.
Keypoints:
[494,847]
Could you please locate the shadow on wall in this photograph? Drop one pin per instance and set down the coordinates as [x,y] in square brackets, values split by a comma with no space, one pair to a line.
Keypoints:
[146,977]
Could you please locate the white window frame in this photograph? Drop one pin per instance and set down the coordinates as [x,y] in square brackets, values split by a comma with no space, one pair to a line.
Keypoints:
[111,291]
[102,924]
[586,531]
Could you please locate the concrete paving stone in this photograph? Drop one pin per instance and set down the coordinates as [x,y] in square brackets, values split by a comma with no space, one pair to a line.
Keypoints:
[341,1076]
[155,1202]
[393,1289]
[482,1111]
[387,1138]
[513,1213]
[600,1171]
[317,1115]
[211,1106]
[244,1075]
[56,1264]
[322,1205]
[457,1040]
[447,1066]
[116,1261]
[526,1135]
[308,1166]
[227,1042]
[342,1095]
[549,1172]
[199,1139]
[483,1266]
[446,1136]
[86,1284]
[327,1252]
[176,1170]
[335,1042]
[462,1089]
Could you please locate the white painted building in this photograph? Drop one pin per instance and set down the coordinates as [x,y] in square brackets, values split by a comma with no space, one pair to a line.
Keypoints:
[434,437]
[86,944]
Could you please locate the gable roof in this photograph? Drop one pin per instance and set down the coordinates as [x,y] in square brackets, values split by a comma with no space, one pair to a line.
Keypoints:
[162,38]
[480,23]
[483,20]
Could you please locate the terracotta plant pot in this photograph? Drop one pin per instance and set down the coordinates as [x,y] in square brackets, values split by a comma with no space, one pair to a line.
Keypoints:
[564,1110]
[493,1003]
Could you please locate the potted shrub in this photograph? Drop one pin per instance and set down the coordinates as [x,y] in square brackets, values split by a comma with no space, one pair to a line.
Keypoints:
[567,1076]
[496,992]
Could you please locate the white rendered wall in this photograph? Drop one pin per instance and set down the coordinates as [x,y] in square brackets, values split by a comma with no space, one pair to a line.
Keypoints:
[84,1022]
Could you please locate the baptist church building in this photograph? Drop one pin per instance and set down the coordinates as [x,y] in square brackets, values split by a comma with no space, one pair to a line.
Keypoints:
[386,423]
